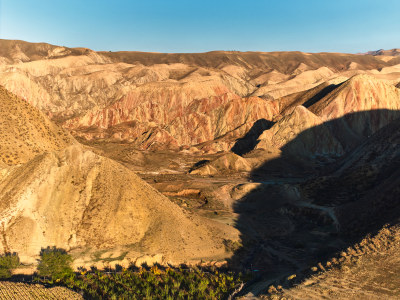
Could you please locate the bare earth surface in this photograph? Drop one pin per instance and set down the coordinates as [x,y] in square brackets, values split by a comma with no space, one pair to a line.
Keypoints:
[370,273]
[283,164]
[83,202]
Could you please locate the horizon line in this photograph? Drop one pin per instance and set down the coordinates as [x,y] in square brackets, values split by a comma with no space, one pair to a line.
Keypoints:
[201,52]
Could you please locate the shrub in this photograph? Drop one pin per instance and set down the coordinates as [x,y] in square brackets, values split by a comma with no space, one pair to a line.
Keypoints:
[8,262]
[157,282]
[55,263]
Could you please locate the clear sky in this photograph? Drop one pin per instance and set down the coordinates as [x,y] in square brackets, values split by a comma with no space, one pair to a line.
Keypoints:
[203,25]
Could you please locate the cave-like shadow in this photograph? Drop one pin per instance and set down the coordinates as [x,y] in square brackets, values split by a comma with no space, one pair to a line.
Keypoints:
[250,140]
[301,211]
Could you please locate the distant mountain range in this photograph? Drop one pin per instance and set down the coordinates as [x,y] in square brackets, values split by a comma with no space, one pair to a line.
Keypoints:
[392,52]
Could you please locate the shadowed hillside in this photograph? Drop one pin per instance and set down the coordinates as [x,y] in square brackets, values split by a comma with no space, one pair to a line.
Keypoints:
[298,153]
[200,102]
[287,227]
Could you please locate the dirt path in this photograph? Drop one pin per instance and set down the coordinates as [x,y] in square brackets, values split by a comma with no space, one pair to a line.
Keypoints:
[328,210]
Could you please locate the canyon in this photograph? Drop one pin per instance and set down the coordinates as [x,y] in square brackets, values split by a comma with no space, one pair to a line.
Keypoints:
[281,164]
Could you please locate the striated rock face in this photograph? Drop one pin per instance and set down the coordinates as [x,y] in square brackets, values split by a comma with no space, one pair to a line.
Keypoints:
[337,119]
[64,195]
[379,101]
[302,133]
[175,115]
[349,114]
[359,93]
[174,101]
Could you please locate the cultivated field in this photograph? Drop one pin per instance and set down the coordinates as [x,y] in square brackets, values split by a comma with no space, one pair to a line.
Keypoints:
[18,290]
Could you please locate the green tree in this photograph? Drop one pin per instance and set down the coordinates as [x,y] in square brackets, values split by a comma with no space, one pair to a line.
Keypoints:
[8,262]
[55,263]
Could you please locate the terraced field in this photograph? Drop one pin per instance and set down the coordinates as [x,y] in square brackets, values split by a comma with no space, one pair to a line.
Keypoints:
[22,291]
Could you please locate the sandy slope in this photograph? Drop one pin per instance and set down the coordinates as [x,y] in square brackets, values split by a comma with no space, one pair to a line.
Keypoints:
[26,132]
[65,195]
[289,115]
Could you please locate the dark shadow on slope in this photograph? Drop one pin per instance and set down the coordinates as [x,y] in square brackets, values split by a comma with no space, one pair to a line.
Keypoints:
[291,222]
[199,164]
[325,91]
[249,141]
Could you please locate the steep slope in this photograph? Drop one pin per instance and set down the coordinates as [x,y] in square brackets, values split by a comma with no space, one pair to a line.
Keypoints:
[25,132]
[338,118]
[69,197]
[351,112]
[368,181]
[120,95]
[176,115]
[75,199]
[303,133]
[369,270]
[320,125]
[363,192]
[308,97]
[358,94]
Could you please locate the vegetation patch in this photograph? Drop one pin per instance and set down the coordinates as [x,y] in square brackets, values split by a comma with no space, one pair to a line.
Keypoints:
[157,282]
[55,263]
[8,262]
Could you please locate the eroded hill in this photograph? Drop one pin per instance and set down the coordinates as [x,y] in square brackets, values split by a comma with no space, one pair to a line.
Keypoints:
[62,194]
[295,153]
[170,101]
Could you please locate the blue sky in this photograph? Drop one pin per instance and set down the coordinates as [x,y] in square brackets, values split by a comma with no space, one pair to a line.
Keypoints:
[197,26]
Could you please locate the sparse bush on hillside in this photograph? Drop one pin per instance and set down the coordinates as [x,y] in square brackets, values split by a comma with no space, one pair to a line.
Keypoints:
[55,263]
[8,262]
